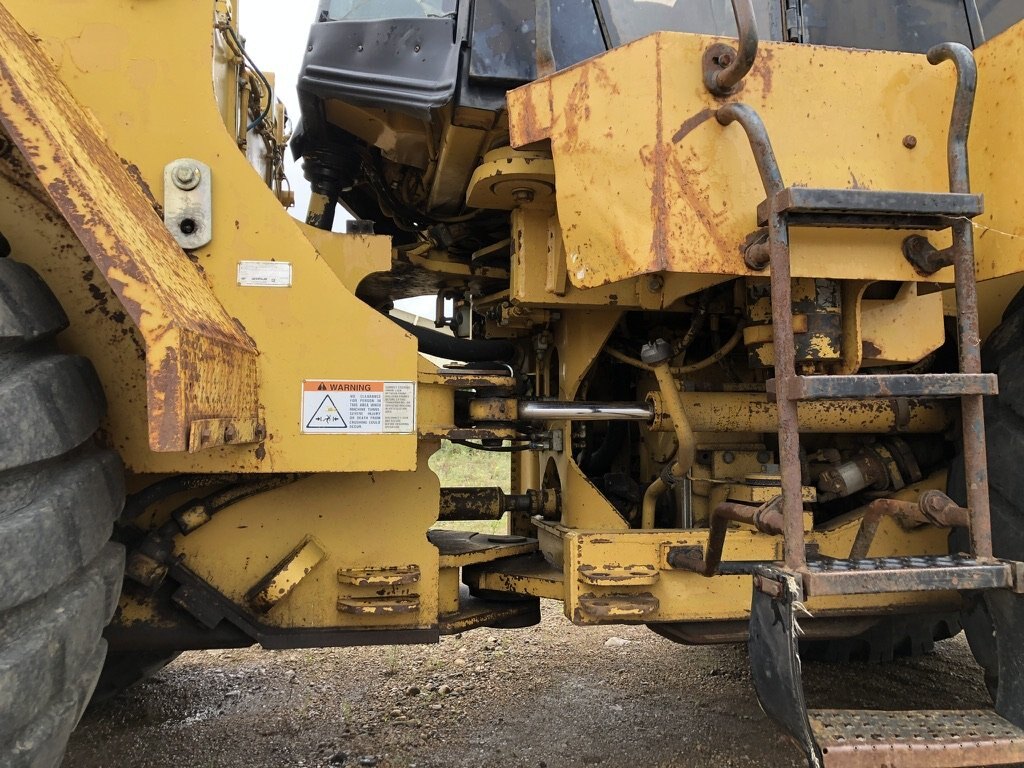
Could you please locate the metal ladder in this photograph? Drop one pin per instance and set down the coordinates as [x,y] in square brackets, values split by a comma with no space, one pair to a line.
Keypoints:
[868,738]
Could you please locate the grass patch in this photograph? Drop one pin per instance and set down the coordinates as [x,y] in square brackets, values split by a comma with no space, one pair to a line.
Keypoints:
[460,467]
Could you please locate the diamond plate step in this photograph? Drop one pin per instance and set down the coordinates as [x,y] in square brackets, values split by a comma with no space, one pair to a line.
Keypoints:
[906,574]
[922,739]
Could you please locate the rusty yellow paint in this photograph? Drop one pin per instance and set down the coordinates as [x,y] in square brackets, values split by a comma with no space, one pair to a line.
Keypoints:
[370,528]
[200,363]
[379,577]
[286,575]
[507,178]
[192,314]
[903,329]
[536,280]
[687,596]
[996,153]
[647,181]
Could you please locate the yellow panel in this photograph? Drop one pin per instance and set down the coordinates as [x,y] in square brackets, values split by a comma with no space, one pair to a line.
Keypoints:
[647,180]
[151,94]
[199,362]
[360,522]
[997,154]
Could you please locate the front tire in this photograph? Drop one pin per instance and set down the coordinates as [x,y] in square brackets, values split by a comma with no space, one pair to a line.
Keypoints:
[59,496]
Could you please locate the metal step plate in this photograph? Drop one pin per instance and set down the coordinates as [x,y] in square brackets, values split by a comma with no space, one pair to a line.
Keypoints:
[851,738]
[904,574]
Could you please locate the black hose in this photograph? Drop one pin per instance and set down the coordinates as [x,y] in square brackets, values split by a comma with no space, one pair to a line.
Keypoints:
[464,350]
[140,501]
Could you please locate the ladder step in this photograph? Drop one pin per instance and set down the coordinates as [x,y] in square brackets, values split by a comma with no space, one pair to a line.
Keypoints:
[921,739]
[870,209]
[905,574]
[928,385]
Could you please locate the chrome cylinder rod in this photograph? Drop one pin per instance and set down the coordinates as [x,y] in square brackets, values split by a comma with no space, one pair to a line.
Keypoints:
[553,411]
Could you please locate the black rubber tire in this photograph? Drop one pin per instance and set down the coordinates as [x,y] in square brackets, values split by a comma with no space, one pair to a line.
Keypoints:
[1002,354]
[123,669]
[59,496]
[894,637]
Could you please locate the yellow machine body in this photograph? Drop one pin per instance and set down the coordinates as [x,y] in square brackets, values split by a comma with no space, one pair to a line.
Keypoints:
[639,199]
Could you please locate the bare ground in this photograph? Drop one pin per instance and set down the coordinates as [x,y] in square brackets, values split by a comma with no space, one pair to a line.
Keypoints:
[549,696]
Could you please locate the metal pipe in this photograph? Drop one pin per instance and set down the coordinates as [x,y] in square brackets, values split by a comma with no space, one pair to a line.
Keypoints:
[650,502]
[767,518]
[545,410]
[757,134]
[975,455]
[725,67]
[673,403]
[963,109]
[932,508]
[721,412]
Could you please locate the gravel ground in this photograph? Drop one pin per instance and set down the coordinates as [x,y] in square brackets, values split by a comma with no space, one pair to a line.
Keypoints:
[549,696]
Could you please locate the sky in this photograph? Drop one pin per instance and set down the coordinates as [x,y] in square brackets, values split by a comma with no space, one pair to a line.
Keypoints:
[275,33]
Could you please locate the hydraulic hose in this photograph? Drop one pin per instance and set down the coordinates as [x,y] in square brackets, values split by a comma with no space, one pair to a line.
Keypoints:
[451,348]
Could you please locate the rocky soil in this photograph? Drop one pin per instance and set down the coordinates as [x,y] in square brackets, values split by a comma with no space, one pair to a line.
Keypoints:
[549,696]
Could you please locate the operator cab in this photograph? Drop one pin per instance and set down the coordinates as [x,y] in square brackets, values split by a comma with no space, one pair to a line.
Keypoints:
[400,99]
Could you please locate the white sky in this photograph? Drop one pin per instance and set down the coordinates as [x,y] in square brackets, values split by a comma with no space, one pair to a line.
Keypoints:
[275,33]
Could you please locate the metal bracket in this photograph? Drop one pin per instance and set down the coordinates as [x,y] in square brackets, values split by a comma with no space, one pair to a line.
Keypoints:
[725,66]
[188,202]
[552,440]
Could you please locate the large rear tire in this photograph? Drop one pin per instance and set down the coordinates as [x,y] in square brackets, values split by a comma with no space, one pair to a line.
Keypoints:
[1002,354]
[59,496]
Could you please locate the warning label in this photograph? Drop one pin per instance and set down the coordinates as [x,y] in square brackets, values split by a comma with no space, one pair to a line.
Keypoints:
[336,407]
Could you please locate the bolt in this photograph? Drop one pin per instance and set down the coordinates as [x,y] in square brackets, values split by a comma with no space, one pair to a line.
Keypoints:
[186,177]
[230,433]
[655,283]
[910,141]
[764,457]
[725,60]
[656,352]
[728,457]
[522,195]
[261,432]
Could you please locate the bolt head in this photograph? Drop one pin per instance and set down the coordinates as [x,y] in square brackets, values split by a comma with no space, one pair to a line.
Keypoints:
[523,195]
[910,141]
[186,177]
[656,352]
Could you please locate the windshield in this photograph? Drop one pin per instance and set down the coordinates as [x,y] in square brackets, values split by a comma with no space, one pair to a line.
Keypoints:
[999,15]
[629,20]
[377,10]
[892,25]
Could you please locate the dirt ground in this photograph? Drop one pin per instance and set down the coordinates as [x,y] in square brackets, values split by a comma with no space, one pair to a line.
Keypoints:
[549,696]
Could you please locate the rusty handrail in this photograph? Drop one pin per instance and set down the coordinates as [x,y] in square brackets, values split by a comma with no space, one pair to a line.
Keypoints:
[760,144]
[767,518]
[963,109]
[932,508]
[724,66]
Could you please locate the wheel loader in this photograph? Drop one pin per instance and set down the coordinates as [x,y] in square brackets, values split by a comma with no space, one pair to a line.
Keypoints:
[732,284]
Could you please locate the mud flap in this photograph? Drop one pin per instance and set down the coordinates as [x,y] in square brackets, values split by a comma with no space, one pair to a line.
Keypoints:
[775,660]
[1007,611]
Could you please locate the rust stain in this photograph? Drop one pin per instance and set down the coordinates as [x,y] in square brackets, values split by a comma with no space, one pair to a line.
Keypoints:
[691,123]
[114,220]
[696,192]
[658,160]
[763,71]
[577,109]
